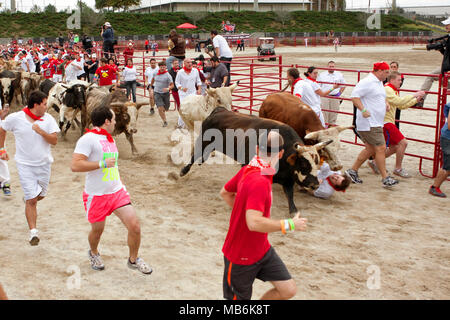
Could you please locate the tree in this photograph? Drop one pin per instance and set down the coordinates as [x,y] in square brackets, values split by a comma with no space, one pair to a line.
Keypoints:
[35,9]
[50,9]
[283,16]
[196,15]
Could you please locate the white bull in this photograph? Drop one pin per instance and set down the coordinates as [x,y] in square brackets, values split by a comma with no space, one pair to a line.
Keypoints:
[198,108]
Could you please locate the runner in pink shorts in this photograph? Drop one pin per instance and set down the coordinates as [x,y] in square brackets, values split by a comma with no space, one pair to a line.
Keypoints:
[96,153]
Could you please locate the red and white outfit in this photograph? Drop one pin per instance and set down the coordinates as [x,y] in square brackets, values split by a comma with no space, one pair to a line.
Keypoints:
[326,188]
[33,154]
[5,177]
[189,79]
[103,190]
[106,75]
[305,92]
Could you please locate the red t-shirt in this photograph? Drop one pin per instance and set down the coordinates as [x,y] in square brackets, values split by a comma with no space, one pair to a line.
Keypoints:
[253,192]
[106,75]
[47,71]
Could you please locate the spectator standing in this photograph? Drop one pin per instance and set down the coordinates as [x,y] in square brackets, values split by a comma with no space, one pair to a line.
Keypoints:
[219,74]
[107,34]
[91,66]
[146,45]
[369,97]
[128,52]
[223,51]
[332,77]
[177,49]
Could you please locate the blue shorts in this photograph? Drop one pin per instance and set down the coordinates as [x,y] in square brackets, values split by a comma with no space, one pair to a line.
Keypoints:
[445,147]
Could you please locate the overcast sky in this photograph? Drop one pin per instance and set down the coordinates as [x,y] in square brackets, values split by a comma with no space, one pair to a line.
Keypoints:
[25,5]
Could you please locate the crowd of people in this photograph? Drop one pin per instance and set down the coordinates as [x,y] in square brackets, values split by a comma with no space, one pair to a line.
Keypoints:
[248,254]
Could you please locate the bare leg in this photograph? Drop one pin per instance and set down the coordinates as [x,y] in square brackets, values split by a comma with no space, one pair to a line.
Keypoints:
[442,175]
[31,211]
[283,290]
[128,217]
[380,159]
[363,156]
[162,113]
[3,295]
[95,234]
[400,153]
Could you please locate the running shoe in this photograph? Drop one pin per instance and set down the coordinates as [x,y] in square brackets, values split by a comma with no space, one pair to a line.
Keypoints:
[6,189]
[402,173]
[96,261]
[389,182]
[354,176]
[373,166]
[140,265]
[437,192]
[34,237]
[152,111]
[165,124]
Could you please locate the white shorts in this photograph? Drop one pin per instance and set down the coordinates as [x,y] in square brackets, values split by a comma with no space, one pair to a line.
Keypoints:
[57,78]
[34,180]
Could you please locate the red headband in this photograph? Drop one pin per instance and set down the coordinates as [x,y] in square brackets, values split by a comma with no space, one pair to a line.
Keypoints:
[380,66]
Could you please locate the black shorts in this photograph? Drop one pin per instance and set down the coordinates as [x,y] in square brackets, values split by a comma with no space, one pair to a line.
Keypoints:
[162,100]
[238,279]
[445,147]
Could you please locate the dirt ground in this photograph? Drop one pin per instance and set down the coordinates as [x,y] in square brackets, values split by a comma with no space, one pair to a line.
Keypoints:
[402,234]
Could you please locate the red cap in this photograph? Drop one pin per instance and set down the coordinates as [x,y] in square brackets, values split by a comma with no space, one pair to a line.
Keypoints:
[380,66]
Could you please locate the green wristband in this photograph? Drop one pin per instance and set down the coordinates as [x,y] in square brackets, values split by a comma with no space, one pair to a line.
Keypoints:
[363,110]
[291,223]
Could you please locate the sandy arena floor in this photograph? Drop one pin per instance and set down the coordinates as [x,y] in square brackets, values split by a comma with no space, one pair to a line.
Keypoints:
[402,233]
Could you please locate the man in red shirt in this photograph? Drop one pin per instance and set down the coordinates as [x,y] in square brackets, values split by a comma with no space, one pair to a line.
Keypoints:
[106,73]
[128,52]
[247,252]
[46,70]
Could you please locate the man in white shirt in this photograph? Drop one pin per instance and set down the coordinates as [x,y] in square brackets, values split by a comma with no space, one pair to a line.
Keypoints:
[369,97]
[30,62]
[96,154]
[188,83]
[34,131]
[222,50]
[71,71]
[4,170]
[150,73]
[330,182]
[331,76]
[305,92]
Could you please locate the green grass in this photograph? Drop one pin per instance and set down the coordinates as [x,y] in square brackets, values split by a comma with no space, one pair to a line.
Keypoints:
[49,24]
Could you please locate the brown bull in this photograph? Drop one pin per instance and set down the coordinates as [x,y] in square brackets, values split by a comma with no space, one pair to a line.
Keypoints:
[286,108]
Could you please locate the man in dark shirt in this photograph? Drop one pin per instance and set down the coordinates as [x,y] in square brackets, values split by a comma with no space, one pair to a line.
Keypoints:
[219,74]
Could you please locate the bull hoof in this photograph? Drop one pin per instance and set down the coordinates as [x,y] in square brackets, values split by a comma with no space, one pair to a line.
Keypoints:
[184,171]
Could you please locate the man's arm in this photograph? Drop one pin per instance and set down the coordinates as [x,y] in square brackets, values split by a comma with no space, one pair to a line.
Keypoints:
[3,153]
[51,138]
[258,223]
[81,164]
[358,104]
[229,197]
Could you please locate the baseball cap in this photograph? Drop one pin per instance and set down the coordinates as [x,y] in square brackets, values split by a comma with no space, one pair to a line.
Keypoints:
[446,22]
[381,66]
[107,24]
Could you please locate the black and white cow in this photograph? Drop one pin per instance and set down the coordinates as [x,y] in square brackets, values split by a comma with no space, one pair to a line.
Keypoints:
[63,97]
[10,87]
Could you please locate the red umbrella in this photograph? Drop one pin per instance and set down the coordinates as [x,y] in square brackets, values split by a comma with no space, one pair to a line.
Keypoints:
[186,26]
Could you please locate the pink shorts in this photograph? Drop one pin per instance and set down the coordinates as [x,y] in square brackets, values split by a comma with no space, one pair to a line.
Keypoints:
[99,207]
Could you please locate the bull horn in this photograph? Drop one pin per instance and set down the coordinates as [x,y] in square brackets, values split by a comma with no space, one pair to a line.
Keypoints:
[312,135]
[64,86]
[322,145]
[234,86]
[342,128]
[211,91]
[142,103]
[299,148]
[116,104]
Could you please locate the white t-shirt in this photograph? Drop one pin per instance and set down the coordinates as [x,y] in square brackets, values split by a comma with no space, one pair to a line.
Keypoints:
[129,74]
[221,43]
[96,147]
[325,190]
[335,77]
[373,97]
[305,92]
[187,80]
[150,73]
[31,148]
[71,72]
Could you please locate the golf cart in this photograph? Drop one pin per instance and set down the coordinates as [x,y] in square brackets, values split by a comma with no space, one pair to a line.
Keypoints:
[266,48]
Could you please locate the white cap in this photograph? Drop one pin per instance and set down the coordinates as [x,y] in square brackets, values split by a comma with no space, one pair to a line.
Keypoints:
[107,24]
[446,22]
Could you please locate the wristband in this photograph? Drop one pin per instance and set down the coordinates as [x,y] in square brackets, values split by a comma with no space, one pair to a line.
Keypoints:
[102,164]
[283,229]
[291,224]
[363,110]
[2,151]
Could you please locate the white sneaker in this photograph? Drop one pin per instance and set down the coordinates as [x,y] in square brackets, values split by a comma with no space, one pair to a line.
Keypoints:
[140,265]
[34,238]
